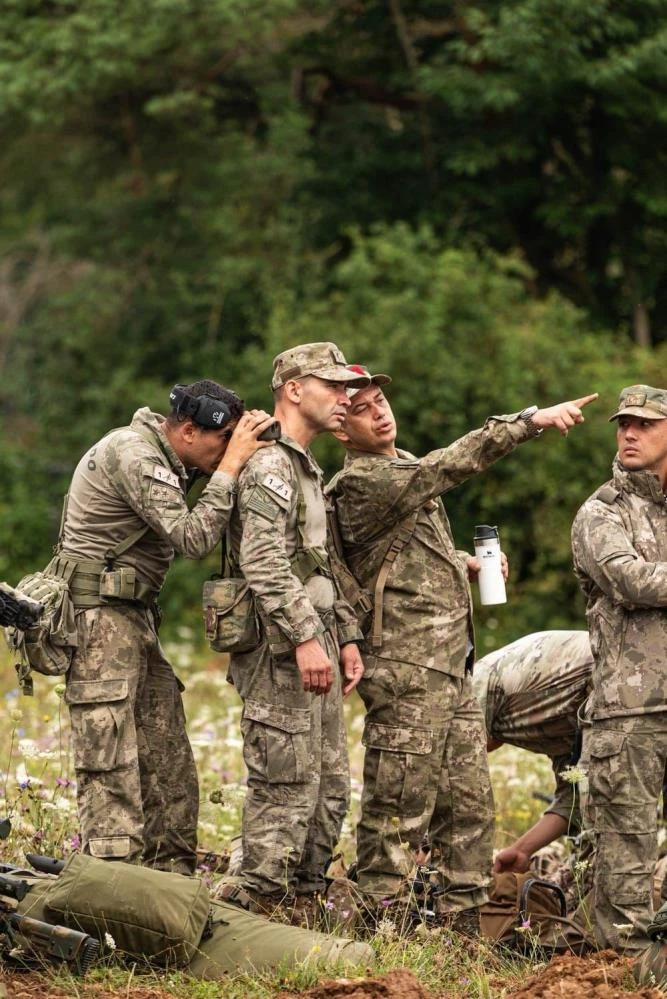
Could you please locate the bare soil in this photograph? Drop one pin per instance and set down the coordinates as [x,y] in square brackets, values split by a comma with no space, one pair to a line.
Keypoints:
[599,976]
[400,984]
[34,985]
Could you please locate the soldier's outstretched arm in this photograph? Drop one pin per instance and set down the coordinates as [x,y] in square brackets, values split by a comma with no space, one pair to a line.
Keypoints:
[563,415]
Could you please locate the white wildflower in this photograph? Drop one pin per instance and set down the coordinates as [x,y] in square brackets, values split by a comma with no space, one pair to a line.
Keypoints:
[386,929]
[109,941]
[573,775]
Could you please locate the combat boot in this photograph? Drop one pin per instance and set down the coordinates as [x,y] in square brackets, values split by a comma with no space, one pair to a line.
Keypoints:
[467,922]
[304,911]
[339,908]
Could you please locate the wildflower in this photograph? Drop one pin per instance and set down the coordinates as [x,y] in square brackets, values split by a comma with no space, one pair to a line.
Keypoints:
[16,715]
[109,941]
[573,775]
[63,782]
[581,866]
[59,689]
[525,924]
[386,928]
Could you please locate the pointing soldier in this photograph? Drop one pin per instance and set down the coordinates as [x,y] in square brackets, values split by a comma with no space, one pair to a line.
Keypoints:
[425,768]
[619,543]
[125,516]
[292,723]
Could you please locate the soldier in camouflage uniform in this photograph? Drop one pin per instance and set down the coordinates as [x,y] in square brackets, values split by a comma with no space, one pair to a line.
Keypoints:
[425,768]
[292,724]
[531,693]
[125,516]
[619,542]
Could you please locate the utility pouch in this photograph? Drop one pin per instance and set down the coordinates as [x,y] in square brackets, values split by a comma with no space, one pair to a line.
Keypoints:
[118,583]
[154,915]
[230,616]
[47,646]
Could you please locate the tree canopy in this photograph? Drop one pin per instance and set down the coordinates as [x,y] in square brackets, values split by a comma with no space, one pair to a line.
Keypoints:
[468,196]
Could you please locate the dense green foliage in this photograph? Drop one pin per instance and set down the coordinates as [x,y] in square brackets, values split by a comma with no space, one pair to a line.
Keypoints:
[470,196]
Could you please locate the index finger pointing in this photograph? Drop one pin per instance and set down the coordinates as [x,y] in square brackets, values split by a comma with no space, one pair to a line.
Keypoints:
[586,399]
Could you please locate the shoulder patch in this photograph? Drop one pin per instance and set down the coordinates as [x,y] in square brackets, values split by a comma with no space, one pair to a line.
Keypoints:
[276,485]
[263,503]
[163,474]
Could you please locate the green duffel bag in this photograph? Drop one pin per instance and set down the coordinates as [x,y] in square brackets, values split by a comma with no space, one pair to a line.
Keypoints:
[230,616]
[243,942]
[151,915]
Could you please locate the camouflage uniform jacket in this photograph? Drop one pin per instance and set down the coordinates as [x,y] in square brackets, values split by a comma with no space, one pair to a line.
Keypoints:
[531,692]
[619,542]
[427,606]
[133,477]
[270,525]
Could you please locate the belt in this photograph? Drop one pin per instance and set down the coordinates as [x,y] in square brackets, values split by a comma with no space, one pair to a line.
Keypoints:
[84,584]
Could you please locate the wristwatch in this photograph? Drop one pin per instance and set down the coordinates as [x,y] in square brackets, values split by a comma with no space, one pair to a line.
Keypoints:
[527,416]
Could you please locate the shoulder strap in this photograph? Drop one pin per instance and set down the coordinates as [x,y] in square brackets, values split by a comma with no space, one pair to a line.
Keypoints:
[398,542]
[607,493]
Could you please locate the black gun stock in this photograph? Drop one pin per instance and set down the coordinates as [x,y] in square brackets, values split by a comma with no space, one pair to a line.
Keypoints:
[58,942]
[43,939]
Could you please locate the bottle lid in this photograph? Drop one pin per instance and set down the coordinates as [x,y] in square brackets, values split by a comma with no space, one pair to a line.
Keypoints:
[484,532]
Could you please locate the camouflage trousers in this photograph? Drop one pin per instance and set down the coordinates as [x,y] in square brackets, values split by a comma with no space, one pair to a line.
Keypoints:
[626,763]
[295,751]
[137,789]
[425,772]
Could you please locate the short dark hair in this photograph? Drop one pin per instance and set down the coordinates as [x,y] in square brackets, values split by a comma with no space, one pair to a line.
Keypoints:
[212,389]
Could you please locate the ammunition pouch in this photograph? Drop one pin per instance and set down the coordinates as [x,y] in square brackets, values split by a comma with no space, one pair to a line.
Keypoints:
[230,615]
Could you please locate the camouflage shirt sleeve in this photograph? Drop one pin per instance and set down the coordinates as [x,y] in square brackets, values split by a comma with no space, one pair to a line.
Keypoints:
[383,492]
[263,555]
[566,799]
[157,495]
[604,552]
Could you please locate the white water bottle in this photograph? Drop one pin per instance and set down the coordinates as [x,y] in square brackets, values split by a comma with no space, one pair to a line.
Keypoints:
[490,579]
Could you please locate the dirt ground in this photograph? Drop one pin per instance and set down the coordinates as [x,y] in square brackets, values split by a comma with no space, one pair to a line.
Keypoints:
[601,976]
[36,986]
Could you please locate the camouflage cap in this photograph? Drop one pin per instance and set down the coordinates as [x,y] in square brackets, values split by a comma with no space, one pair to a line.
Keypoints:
[373,379]
[642,400]
[324,360]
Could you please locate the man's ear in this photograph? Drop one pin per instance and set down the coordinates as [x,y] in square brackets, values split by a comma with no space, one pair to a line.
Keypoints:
[293,390]
[188,431]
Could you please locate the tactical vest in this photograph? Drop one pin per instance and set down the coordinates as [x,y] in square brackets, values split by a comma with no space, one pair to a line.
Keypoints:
[310,561]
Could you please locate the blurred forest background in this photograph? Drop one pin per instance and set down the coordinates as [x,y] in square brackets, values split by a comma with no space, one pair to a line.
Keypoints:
[469,196]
